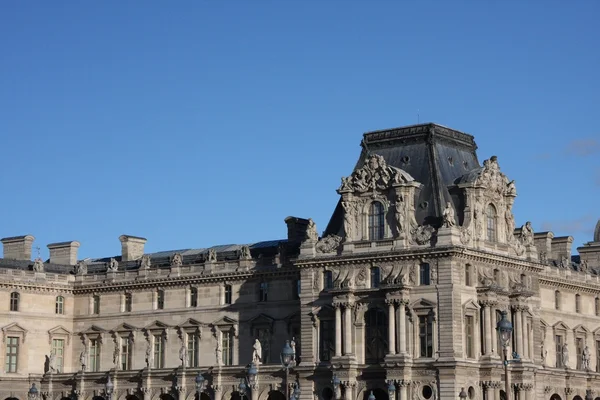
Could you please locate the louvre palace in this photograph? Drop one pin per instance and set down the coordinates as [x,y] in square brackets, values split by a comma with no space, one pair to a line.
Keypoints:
[420,287]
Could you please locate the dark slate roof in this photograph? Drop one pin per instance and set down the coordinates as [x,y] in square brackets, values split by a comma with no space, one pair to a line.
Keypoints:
[160,259]
[433,155]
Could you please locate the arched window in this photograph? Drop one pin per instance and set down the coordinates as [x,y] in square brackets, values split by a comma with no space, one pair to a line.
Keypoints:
[491,216]
[14,301]
[376,221]
[376,335]
[577,303]
[557,300]
[375,277]
[59,307]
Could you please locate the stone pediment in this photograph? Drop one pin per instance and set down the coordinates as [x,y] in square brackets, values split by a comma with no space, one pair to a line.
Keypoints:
[223,321]
[374,175]
[60,331]
[471,305]
[94,329]
[124,327]
[262,319]
[422,304]
[581,329]
[560,326]
[156,325]
[190,323]
[14,328]
[544,324]
[597,331]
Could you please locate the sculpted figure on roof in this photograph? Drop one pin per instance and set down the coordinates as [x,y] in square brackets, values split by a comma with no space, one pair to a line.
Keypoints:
[374,174]
[113,265]
[311,231]
[81,268]
[245,253]
[145,262]
[212,255]
[448,215]
[527,234]
[38,265]
[177,260]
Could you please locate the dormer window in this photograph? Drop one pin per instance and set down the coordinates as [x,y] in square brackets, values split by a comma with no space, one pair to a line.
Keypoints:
[491,216]
[376,221]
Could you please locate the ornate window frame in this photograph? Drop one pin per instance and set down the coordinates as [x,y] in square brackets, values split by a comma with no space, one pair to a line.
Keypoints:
[423,308]
[321,314]
[231,326]
[191,327]
[493,218]
[94,333]
[472,309]
[560,329]
[14,301]
[579,332]
[124,331]
[260,326]
[59,305]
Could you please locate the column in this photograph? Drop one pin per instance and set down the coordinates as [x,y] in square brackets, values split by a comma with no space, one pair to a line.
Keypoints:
[518,330]
[403,387]
[525,334]
[487,318]
[489,391]
[402,335]
[338,330]
[348,329]
[490,328]
[391,327]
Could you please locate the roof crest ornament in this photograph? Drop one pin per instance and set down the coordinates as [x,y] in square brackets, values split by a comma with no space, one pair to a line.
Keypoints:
[374,175]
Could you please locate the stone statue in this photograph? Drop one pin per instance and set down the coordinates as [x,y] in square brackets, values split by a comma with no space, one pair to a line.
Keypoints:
[148,354]
[81,268]
[544,353]
[83,359]
[527,234]
[328,244]
[177,260]
[257,354]
[585,358]
[183,355]
[583,266]
[448,216]
[564,262]
[52,363]
[145,262]
[399,214]
[293,346]
[565,356]
[113,265]
[219,352]
[116,354]
[245,253]
[348,219]
[38,265]
[311,232]
[346,184]
[511,190]
[510,225]
[211,255]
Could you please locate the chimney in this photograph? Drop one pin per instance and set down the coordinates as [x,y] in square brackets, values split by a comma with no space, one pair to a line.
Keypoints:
[296,229]
[18,247]
[64,252]
[132,247]
[561,247]
[543,242]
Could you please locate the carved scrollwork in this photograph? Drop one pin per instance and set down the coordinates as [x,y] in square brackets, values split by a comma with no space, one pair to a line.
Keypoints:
[328,244]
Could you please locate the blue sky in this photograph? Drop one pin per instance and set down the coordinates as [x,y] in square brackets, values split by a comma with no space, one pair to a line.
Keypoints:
[201,123]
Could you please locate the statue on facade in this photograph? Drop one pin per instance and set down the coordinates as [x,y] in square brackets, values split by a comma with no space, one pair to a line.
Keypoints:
[348,218]
[583,266]
[257,354]
[399,214]
[211,256]
[311,232]
[145,262]
[148,354]
[245,253]
[565,356]
[183,355]
[564,262]
[544,354]
[113,265]
[83,359]
[293,346]
[81,268]
[38,265]
[177,260]
[527,234]
[586,358]
[511,190]
[448,216]
[219,353]
[346,184]
[52,363]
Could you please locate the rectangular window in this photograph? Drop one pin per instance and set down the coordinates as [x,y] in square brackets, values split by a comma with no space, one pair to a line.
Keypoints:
[96,305]
[59,307]
[227,345]
[128,302]
[228,294]
[194,297]
[558,340]
[14,301]
[158,351]
[468,275]
[425,336]
[12,353]
[328,280]
[263,291]
[94,360]
[597,355]
[58,349]
[375,277]
[192,349]
[579,351]
[125,354]
[160,300]
[298,288]
[469,337]
[327,340]
[424,274]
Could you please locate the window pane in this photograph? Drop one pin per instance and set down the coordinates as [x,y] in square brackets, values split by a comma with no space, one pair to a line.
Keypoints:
[59,307]
[128,301]
[193,297]
[158,351]
[94,358]
[227,346]
[14,301]
[491,223]
[375,277]
[58,349]
[376,221]
[425,276]
[327,340]
[12,353]
[328,279]
[376,335]
[469,329]
[125,354]
[228,294]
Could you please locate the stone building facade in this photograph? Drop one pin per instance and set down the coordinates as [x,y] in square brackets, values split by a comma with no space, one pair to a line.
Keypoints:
[405,286]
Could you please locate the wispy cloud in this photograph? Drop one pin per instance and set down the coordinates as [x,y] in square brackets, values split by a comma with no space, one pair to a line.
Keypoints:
[582,225]
[583,147]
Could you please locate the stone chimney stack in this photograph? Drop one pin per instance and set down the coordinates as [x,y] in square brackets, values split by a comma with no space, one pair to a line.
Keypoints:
[18,247]
[64,252]
[132,247]
[296,229]
[561,247]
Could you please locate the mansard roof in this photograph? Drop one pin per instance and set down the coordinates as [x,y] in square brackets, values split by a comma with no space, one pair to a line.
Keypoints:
[433,155]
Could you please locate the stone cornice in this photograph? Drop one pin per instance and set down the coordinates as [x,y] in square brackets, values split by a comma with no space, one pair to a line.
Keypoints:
[35,287]
[561,283]
[173,281]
